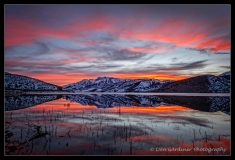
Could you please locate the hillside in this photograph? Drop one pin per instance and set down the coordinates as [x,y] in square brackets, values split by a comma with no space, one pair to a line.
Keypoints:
[199,84]
[13,81]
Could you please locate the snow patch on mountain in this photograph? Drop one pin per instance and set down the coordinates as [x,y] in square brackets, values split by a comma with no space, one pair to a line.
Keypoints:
[225,74]
[218,84]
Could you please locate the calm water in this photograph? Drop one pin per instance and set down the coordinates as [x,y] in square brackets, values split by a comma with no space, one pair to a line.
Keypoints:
[117,125]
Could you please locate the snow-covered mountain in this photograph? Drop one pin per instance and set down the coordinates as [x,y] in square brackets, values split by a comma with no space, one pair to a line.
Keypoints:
[110,84]
[19,102]
[198,84]
[218,84]
[13,81]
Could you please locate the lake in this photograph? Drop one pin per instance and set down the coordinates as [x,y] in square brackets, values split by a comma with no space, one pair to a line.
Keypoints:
[117,124]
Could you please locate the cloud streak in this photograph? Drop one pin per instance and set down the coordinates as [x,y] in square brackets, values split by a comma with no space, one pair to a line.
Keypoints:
[190,66]
[207,50]
[123,55]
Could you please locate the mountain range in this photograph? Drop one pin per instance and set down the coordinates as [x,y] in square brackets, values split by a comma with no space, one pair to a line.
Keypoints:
[197,84]
[110,84]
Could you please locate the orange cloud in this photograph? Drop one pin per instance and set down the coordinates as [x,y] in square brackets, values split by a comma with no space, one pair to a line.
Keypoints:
[61,79]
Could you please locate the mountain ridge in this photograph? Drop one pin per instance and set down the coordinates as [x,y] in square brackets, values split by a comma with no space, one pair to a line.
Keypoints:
[197,84]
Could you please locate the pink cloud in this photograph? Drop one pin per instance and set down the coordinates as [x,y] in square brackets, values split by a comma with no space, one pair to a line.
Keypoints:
[177,30]
[181,32]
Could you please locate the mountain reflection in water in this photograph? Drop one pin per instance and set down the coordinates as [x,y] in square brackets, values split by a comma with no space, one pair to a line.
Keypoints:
[208,104]
[117,125]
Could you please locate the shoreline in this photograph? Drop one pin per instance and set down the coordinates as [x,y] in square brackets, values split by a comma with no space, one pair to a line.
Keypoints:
[130,93]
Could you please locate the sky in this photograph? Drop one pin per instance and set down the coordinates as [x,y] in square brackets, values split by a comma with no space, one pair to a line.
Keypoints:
[62,44]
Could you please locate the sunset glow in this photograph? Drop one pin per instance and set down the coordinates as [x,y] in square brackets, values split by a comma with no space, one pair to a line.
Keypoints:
[62,44]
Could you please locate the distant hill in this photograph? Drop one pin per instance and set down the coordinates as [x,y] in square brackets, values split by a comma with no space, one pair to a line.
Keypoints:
[13,81]
[199,84]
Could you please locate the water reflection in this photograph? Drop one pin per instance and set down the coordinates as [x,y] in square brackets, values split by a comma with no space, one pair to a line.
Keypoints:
[19,102]
[127,126]
[208,104]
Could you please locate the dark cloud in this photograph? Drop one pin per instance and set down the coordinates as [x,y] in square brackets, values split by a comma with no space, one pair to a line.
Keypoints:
[123,55]
[27,52]
[144,59]
[201,50]
[206,50]
[179,66]
[221,53]
[108,66]
[42,48]
[70,50]
[226,67]
[108,37]
[95,38]
[174,59]
[81,67]
[192,65]
[36,67]
[104,53]
[94,66]
[87,51]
